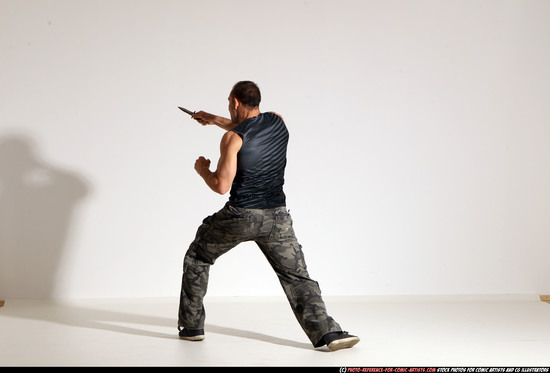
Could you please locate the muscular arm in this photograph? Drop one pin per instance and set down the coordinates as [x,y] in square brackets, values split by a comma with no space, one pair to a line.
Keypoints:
[205,118]
[220,180]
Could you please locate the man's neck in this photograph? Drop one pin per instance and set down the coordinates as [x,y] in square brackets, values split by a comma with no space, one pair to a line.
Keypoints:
[249,114]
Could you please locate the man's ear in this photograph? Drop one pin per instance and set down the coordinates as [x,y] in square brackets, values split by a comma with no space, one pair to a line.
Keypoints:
[236,103]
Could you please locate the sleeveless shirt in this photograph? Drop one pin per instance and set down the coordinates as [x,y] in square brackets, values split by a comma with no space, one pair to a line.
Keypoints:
[261,163]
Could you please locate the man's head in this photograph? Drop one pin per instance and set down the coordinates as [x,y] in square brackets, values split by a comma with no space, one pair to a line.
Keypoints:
[244,98]
[247,93]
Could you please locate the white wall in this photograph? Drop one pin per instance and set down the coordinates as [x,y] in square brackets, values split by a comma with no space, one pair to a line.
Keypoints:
[419,160]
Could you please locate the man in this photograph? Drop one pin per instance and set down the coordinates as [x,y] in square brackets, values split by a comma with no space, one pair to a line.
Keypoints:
[252,164]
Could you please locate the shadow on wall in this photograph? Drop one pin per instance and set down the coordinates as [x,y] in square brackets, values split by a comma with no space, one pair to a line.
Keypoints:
[37,203]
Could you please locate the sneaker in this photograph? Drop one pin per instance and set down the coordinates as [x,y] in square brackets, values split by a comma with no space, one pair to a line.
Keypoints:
[340,340]
[191,334]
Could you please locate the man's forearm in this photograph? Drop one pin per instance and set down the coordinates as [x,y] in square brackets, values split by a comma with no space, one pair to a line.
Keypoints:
[224,123]
[211,179]
[205,118]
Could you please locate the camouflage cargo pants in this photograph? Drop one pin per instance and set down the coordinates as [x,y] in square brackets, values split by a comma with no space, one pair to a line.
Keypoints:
[272,231]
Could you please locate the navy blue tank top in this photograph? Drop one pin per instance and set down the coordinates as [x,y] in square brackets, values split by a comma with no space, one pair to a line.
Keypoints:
[261,163]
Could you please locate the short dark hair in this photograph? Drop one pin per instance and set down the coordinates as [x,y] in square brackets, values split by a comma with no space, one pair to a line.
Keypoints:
[247,93]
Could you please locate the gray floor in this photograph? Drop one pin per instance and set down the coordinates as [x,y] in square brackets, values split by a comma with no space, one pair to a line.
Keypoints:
[257,331]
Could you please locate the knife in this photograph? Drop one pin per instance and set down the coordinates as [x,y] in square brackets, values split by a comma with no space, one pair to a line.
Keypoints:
[187,111]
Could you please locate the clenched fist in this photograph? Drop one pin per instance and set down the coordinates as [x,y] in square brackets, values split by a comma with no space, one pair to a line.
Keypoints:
[204,118]
[201,165]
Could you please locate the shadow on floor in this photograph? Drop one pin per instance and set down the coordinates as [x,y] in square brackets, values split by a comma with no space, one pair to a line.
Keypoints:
[123,322]
[209,328]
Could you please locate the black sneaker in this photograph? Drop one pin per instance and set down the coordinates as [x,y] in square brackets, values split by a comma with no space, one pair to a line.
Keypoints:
[339,340]
[191,334]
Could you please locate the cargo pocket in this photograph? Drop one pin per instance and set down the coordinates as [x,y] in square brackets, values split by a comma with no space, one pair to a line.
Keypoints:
[282,226]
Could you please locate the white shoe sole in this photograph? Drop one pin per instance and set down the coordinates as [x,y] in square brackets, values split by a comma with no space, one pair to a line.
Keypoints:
[194,338]
[340,344]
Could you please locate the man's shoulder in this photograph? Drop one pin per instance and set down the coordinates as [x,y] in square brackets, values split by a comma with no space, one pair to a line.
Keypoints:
[277,114]
[232,138]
